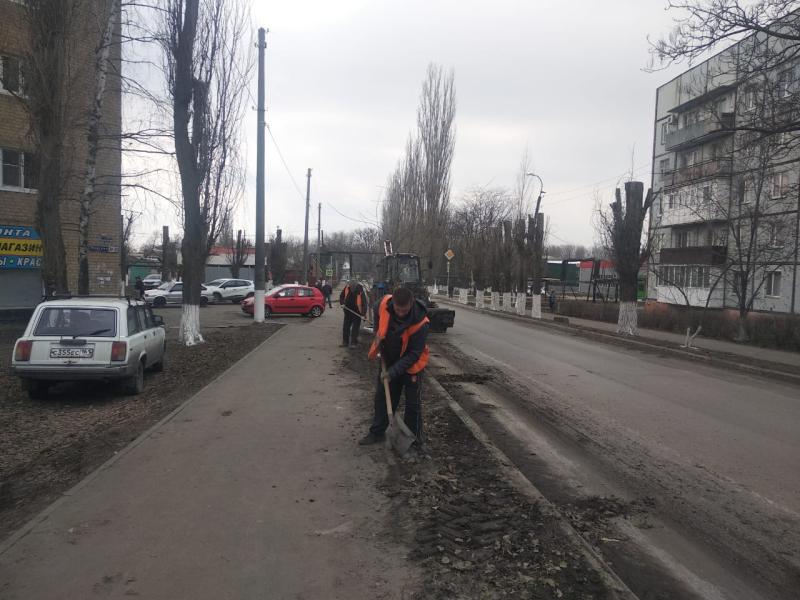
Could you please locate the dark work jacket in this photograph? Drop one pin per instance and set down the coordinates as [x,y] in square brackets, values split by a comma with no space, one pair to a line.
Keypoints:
[327,290]
[393,342]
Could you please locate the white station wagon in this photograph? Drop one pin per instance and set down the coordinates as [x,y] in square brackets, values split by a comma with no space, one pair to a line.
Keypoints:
[89,338]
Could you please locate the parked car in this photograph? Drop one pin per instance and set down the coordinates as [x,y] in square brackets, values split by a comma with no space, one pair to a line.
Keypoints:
[289,299]
[89,339]
[171,292]
[230,289]
[151,281]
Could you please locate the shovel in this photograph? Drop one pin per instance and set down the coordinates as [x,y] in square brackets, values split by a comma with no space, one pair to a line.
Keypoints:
[398,435]
[367,327]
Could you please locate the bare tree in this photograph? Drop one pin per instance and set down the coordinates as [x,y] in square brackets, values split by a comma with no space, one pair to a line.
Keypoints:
[201,41]
[621,229]
[128,219]
[101,72]
[48,91]
[239,253]
[416,205]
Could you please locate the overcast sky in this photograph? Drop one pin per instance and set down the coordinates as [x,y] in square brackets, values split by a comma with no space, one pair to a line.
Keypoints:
[564,78]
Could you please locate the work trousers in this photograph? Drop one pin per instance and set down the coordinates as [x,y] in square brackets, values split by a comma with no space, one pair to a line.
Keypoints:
[350,328]
[328,300]
[412,386]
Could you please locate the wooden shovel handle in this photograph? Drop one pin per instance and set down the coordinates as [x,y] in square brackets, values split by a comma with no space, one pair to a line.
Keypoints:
[386,392]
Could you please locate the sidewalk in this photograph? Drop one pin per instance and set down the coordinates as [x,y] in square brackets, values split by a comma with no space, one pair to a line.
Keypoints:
[255,489]
[743,350]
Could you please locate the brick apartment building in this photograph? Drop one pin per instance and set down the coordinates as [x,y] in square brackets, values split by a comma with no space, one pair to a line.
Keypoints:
[20,250]
[714,189]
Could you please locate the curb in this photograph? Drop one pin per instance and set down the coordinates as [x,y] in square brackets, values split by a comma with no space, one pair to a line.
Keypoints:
[28,527]
[777,373]
[616,586]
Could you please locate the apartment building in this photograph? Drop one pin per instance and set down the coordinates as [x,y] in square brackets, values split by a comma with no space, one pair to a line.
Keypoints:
[725,219]
[20,243]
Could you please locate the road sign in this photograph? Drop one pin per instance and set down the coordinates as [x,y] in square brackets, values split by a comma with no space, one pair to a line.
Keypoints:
[328,272]
[449,255]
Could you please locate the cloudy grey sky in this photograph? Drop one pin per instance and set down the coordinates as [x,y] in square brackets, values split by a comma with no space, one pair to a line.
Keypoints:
[564,78]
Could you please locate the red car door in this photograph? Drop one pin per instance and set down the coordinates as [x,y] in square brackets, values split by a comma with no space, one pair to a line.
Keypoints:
[305,300]
[285,301]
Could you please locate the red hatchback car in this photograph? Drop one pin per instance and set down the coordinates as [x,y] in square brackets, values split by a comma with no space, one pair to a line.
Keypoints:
[289,299]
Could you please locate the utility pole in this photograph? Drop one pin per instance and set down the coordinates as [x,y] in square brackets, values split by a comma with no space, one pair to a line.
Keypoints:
[165,254]
[305,238]
[260,284]
[319,240]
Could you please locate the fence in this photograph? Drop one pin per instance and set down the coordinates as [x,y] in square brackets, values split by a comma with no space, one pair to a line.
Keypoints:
[519,304]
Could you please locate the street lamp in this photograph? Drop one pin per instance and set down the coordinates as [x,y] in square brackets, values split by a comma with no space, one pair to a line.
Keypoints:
[539,197]
[538,237]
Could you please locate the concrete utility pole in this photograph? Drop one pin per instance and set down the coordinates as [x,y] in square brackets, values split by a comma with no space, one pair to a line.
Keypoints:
[318,267]
[304,279]
[260,284]
[165,266]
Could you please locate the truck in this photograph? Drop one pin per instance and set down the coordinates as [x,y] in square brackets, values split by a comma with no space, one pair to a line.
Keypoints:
[395,269]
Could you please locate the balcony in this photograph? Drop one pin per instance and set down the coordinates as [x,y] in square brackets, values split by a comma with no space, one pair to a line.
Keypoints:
[694,255]
[699,133]
[717,167]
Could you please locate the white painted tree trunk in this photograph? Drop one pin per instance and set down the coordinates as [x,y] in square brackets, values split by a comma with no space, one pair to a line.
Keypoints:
[627,324]
[495,301]
[90,175]
[536,309]
[479,299]
[522,300]
[189,331]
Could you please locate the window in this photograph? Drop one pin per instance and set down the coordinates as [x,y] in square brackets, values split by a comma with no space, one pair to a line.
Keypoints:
[775,233]
[681,239]
[664,165]
[773,284]
[664,131]
[670,200]
[178,287]
[786,83]
[779,185]
[133,321]
[90,322]
[144,317]
[750,97]
[305,292]
[19,169]
[10,74]
[287,293]
[707,195]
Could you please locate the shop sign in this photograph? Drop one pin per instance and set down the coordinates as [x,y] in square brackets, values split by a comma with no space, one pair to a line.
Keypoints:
[20,248]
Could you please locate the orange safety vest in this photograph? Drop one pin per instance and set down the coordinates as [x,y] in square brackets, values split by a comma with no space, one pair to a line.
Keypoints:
[383,329]
[359,299]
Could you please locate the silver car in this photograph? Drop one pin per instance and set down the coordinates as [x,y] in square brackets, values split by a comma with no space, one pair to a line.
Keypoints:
[89,338]
[171,292]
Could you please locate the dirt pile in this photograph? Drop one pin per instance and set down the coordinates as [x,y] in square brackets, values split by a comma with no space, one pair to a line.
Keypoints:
[474,535]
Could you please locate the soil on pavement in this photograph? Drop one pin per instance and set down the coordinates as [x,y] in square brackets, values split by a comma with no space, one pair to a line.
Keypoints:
[473,534]
[48,446]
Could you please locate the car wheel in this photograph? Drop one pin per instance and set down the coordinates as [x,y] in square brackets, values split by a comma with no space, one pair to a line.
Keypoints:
[217,297]
[159,366]
[203,301]
[37,390]
[235,300]
[267,310]
[134,385]
[316,311]
[159,302]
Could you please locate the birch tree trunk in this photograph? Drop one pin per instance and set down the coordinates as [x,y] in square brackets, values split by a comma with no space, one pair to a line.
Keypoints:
[90,177]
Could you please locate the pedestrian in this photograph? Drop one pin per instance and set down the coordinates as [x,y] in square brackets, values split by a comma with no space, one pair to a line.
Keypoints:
[401,330]
[139,286]
[353,300]
[327,292]
[551,299]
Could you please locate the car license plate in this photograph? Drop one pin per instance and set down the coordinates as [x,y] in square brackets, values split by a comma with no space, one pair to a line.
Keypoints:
[71,352]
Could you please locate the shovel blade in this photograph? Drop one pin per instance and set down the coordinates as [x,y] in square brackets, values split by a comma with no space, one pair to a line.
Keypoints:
[400,436]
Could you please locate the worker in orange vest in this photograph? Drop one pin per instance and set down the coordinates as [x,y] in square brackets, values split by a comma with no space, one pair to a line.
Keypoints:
[401,330]
[354,300]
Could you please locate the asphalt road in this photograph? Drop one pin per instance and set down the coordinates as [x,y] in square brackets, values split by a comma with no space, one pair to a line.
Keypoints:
[733,440]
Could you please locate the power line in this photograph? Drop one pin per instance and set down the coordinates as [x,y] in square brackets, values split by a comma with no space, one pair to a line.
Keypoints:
[590,185]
